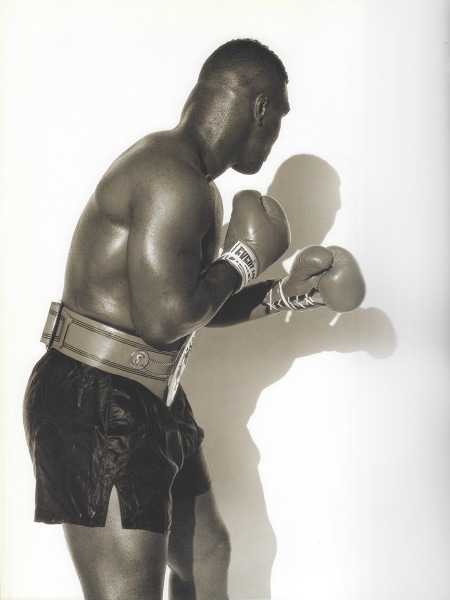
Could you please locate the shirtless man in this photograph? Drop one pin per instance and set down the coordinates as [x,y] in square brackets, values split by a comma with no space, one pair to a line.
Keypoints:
[117,453]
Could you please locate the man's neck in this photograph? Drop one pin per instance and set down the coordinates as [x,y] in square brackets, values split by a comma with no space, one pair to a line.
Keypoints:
[214,156]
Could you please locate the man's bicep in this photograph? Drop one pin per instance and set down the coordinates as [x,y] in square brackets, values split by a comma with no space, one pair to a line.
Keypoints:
[164,254]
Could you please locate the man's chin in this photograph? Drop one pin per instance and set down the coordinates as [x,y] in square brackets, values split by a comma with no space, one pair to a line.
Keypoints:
[246,170]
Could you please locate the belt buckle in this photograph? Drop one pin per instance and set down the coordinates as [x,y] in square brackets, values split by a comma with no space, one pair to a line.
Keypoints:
[139,359]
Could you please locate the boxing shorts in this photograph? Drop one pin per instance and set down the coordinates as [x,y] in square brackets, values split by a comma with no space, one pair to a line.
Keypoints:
[89,430]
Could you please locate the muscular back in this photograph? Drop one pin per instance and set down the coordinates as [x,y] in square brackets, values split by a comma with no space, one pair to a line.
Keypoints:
[145,237]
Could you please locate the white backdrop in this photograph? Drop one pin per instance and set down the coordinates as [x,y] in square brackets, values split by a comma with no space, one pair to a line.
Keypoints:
[328,438]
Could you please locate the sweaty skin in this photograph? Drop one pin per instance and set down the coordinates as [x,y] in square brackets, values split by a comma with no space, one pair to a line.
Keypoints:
[125,269]
[142,260]
[142,254]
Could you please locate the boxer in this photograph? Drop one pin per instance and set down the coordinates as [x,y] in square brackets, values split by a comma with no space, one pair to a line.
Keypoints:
[116,450]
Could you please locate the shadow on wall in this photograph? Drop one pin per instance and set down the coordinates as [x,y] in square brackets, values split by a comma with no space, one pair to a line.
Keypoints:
[230,367]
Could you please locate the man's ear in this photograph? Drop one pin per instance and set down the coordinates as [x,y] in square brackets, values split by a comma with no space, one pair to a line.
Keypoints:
[259,108]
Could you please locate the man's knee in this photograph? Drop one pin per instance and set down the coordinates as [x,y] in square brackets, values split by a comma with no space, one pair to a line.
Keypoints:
[207,549]
[217,548]
[201,571]
[213,545]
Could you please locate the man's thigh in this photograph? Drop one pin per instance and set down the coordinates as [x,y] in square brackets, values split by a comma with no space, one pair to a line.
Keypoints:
[114,563]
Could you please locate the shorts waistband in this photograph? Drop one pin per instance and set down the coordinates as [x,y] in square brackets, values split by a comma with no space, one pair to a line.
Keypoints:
[110,349]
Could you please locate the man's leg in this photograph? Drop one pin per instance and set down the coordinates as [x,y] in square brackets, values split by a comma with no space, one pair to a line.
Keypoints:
[118,564]
[199,550]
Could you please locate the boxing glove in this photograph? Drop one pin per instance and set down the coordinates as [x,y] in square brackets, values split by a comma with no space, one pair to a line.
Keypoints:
[342,286]
[320,277]
[308,266]
[258,234]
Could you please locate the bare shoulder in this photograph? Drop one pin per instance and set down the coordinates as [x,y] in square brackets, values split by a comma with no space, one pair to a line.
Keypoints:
[156,175]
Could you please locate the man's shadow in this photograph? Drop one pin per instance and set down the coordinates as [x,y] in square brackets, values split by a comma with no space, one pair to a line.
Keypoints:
[230,367]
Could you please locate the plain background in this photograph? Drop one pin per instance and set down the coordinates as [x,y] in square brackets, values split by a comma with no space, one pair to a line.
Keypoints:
[328,436]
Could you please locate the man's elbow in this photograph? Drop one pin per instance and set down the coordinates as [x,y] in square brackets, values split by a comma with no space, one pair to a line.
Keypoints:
[163,328]
[159,335]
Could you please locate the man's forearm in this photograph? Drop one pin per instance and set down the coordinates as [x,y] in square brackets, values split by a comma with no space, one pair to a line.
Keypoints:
[244,306]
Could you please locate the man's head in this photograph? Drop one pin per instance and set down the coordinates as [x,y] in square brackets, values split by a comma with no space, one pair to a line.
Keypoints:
[245,60]
[242,91]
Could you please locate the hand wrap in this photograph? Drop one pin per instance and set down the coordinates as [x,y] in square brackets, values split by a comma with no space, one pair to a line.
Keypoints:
[258,234]
[243,260]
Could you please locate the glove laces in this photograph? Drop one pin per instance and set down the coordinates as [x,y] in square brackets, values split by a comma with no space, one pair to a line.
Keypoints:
[296,302]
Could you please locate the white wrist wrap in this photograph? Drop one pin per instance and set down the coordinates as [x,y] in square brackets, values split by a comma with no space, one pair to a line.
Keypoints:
[243,259]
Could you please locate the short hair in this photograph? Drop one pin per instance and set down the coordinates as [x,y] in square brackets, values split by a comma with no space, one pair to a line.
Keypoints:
[244,56]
